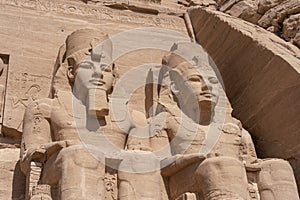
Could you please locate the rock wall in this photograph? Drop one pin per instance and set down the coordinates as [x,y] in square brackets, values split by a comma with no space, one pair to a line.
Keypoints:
[261,76]
[278,16]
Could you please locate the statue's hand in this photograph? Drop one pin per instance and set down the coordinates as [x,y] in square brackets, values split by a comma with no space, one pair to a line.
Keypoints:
[53,147]
[253,167]
[173,164]
[35,154]
[32,155]
[41,153]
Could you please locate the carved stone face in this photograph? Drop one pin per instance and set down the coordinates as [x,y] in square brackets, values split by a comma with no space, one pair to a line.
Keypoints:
[95,72]
[92,75]
[197,93]
[205,88]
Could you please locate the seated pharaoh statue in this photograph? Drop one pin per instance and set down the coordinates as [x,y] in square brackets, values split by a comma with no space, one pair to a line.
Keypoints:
[210,153]
[190,142]
[56,162]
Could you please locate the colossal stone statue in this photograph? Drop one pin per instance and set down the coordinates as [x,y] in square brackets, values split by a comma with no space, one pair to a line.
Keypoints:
[191,142]
[52,152]
[212,157]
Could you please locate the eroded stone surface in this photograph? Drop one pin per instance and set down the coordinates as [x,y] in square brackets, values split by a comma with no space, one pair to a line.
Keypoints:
[246,10]
[276,15]
[291,27]
[269,14]
[265,5]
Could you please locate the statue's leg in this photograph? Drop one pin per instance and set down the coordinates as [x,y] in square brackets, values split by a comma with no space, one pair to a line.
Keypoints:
[223,178]
[139,176]
[276,181]
[136,186]
[78,173]
[184,181]
[215,178]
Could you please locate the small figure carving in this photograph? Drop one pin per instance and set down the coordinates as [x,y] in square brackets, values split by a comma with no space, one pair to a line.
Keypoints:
[111,187]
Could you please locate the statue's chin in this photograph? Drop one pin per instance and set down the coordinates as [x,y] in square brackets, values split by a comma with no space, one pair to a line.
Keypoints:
[206,105]
[206,111]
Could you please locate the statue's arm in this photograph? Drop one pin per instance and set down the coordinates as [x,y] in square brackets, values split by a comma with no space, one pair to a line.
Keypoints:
[173,164]
[249,152]
[159,134]
[36,132]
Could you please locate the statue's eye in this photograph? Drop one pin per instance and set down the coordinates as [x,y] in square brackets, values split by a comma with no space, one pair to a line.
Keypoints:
[213,80]
[86,65]
[194,78]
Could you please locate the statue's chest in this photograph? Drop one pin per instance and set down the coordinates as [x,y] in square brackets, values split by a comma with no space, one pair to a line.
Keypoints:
[61,119]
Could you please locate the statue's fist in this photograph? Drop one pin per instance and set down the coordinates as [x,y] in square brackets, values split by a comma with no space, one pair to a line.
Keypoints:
[36,154]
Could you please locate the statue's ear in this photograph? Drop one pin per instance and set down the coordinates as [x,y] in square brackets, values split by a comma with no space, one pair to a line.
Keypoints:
[174,89]
[115,70]
[176,81]
[71,61]
[70,74]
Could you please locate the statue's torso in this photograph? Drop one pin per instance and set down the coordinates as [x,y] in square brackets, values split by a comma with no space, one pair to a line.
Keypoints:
[73,125]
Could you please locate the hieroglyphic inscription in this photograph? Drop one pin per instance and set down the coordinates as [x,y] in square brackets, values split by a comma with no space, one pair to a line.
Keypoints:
[24,88]
[29,96]
[37,119]
[111,188]
[96,12]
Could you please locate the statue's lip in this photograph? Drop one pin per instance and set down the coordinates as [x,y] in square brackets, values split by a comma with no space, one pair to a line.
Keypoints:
[207,94]
[97,81]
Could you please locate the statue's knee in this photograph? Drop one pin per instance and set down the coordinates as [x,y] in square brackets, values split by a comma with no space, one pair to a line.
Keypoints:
[276,178]
[276,169]
[132,185]
[223,176]
[221,164]
[79,156]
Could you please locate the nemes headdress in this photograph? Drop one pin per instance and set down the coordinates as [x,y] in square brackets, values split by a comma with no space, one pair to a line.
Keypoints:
[80,43]
[77,47]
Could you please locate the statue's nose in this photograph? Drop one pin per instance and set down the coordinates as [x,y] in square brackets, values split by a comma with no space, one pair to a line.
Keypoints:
[206,86]
[98,72]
